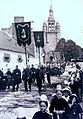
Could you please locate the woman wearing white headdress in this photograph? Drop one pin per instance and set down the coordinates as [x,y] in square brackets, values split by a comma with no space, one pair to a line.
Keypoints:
[42,113]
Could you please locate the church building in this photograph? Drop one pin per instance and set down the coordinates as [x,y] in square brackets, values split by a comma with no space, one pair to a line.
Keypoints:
[51,30]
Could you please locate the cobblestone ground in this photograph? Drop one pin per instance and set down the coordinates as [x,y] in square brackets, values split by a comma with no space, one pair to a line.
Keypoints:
[11,101]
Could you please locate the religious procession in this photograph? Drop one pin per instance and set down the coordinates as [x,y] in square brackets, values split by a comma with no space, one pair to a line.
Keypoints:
[64,101]
[41,73]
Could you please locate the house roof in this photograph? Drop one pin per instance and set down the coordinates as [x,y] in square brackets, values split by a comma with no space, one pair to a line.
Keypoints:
[8,43]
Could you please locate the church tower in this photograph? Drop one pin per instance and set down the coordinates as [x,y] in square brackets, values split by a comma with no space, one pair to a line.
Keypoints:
[51,36]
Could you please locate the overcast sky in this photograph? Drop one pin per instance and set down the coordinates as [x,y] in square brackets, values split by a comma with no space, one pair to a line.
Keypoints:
[69,13]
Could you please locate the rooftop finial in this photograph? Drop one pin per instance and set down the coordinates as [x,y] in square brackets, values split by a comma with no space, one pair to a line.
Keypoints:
[51,6]
[50,10]
[50,13]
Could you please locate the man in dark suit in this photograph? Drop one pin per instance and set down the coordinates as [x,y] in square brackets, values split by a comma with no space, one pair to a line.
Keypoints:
[16,78]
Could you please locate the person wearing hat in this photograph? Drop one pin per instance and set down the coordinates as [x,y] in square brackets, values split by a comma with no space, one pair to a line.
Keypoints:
[16,78]
[59,106]
[66,84]
[9,78]
[66,93]
[33,72]
[42,113]
[75,108]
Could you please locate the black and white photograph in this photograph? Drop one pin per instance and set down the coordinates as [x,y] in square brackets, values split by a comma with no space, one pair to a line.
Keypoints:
[41,59]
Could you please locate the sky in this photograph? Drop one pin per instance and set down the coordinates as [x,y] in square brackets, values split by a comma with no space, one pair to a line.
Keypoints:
[69,13]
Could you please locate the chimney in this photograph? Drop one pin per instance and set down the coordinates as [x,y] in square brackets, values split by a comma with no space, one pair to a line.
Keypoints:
[18,19]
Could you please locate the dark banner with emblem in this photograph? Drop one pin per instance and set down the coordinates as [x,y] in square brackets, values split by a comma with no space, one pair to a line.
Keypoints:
[23,33]
[39,38]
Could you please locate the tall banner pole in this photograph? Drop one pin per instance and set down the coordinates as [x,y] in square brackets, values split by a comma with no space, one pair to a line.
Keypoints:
[39,42]
[26,56]
[23,34]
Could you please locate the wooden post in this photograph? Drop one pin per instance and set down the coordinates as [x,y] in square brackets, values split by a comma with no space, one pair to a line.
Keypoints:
[26,56]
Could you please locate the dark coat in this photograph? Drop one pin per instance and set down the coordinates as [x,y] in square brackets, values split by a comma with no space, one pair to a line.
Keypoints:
[1,74]
[74,87]
[59,104]
[24,75]
[39,81]
[27,76]
[41,73]
[1,79]
[17,76]
[9,77]
[48,72]
[37,73]
[40,115]
[33,71]
[74,111]
[81,80]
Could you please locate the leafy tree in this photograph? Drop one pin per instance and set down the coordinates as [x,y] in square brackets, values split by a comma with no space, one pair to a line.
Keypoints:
[68,48]
[61,46]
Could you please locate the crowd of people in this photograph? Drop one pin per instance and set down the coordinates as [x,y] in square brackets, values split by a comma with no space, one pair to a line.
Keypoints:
[32,75]
[64,102]
[29,75]
[9,79]
[57,107]
[62,107]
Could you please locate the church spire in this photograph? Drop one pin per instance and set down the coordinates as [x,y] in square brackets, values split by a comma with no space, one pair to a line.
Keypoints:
[51,20]
[51,17]
[51,11]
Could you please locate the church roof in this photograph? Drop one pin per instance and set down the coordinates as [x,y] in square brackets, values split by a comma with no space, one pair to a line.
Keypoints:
[8,43]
